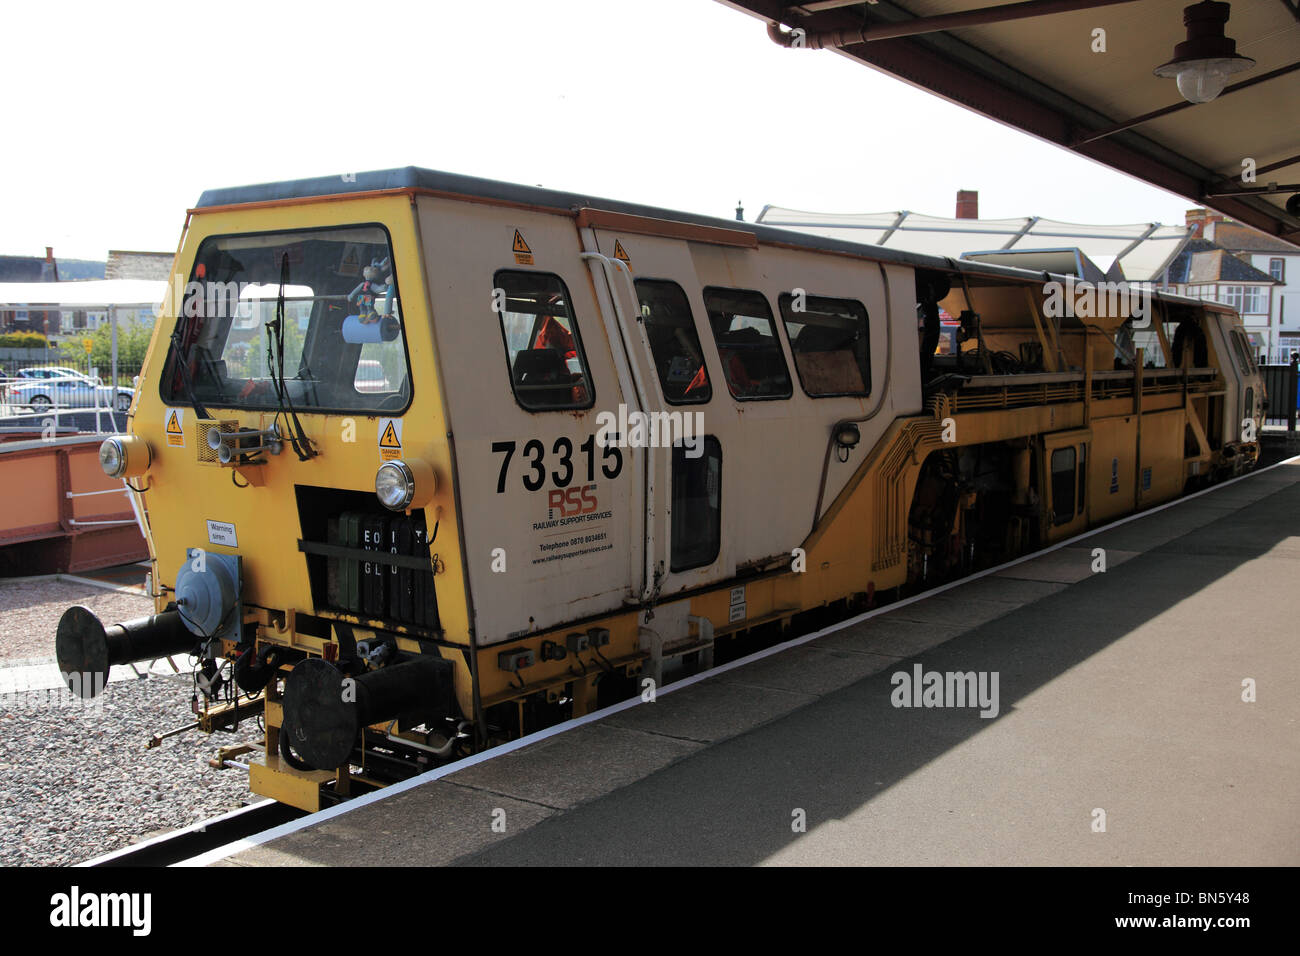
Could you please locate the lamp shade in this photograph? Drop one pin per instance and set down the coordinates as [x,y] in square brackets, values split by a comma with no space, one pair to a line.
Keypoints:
[1203,62]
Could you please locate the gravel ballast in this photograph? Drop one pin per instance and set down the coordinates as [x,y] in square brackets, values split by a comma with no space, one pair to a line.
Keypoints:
[78,783]
[30,612]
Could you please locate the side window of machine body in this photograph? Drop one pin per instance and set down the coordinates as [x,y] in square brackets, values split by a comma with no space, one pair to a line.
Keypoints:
[748,345]
[696,505]
[544,355]
[830,339]
[674,343]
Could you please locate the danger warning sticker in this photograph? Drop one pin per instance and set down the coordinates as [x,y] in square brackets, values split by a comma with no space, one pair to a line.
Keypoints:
[523,254]
[621,253]
[390,438]
[174,427]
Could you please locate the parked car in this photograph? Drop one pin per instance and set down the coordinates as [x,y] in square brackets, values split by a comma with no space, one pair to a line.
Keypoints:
[44,372]
[371,378]
[51,386]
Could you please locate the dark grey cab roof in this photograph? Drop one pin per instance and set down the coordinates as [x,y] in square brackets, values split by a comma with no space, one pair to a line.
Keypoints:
[414,177]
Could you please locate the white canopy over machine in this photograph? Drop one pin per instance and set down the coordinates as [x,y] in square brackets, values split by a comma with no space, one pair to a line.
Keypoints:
[87,293]
[1143,250]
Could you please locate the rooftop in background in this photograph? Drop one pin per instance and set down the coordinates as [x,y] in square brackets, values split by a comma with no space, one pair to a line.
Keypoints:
[138,265]
[34,269]
[1238,238]
[1205,261]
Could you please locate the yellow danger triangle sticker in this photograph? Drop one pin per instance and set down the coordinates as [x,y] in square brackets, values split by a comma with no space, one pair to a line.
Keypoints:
[390,438]
[523,254]
[174,427]
[621,253]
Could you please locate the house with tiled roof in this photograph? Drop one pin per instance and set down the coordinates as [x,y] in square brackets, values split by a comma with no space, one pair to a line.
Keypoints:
[1273,321]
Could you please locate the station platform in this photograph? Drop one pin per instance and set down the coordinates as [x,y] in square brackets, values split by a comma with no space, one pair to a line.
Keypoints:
[1119,693]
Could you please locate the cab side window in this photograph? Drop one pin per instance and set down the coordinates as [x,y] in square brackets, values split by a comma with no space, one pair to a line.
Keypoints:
[831,344]
[548,368]
[697,505]
[1247,354]
[1063,479]
[748,346]
[674,343]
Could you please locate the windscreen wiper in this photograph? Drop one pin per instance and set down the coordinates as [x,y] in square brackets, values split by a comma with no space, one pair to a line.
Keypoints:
[275,360]
[183,364]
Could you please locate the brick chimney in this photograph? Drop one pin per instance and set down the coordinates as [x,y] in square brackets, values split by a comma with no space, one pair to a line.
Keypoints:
[968,204]
[1202,221]
[49,268]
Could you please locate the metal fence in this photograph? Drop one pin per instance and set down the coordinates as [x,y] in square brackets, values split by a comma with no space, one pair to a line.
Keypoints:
[80,364]
[1280,382]
[62,399]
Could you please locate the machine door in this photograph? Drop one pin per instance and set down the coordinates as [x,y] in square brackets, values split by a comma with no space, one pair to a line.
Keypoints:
[1065,482]
[674,430]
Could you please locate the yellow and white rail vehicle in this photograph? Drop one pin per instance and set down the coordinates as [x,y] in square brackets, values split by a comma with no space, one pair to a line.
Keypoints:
[428,462]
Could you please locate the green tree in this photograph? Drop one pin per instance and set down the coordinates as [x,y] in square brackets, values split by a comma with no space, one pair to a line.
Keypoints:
[132,344]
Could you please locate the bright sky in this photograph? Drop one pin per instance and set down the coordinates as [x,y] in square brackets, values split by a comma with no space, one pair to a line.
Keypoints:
[121,114]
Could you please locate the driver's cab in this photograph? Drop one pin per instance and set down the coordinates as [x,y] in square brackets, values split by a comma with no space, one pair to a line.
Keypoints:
[299,318]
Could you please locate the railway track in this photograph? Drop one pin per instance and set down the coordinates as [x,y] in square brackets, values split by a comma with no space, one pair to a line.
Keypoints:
[207,835]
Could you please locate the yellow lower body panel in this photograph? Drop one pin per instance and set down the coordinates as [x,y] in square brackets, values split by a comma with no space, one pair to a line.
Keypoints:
[270,777]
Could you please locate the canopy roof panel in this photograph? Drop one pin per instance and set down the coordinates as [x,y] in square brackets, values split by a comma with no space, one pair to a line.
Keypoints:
[1039,74]
[1143,249]
[90,293]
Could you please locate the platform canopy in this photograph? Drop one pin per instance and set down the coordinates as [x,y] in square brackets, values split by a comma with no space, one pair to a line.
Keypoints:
[91,293]
[1143,250]
[1031,65]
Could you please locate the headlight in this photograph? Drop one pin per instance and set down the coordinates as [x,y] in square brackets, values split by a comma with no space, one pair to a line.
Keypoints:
[400,485]
[848,435]
[112,458]
[395,485]
[124,456]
